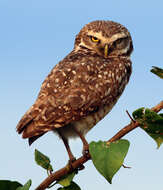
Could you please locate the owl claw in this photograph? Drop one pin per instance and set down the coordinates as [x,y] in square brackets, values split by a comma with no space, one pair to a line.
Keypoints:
[81,167]
[73,159]
[70,166]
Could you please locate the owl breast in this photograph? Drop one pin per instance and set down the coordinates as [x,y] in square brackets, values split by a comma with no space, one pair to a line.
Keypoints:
[111,79]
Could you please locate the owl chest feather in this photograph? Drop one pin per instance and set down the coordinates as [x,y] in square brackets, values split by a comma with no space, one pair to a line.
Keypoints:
[114,82]
[85,124]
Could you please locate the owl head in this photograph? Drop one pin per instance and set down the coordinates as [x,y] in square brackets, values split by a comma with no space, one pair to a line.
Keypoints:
[105,38]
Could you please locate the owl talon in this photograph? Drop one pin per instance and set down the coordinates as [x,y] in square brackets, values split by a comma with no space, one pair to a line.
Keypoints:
[69,165]
[73,159]
[81,167]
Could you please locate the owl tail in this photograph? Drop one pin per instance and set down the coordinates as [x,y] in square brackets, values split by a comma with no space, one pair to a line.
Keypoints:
[34,138]
[28,128]
[23,123]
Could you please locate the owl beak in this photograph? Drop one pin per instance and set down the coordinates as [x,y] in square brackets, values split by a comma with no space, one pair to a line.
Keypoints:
[106,47]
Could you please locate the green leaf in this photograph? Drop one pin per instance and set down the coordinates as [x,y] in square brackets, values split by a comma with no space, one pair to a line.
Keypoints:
[158,139]
[66,181]
[42,160]
[108,157]
[157,71]
[26,186]
[73,186]
[151,122]
[9,185]
[138,114]
[161,114]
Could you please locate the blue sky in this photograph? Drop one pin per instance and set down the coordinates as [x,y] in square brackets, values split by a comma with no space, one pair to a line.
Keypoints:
[34,36]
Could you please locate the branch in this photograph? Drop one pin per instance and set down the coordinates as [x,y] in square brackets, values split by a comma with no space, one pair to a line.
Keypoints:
[78,163]
[158,107]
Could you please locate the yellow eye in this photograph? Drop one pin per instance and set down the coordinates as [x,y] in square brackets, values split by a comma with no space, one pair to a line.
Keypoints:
[94,39]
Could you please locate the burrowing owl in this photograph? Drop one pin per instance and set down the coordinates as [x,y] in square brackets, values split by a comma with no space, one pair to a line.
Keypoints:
[83,87]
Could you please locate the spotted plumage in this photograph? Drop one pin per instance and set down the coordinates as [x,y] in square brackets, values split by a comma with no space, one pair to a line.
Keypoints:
[83,87]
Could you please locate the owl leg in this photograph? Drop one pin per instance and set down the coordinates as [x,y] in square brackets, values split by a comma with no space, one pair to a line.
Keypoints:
[84,141]
[65,141]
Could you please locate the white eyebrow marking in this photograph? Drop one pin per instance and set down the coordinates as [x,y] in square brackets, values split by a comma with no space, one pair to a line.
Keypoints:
[107,40]
[117,36]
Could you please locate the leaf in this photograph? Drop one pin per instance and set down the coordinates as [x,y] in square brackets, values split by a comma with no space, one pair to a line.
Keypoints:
[138,114]
[161,114]
[73,186]
[151,122]
[158,139]
[26,186]
[157,71]
[108,157]
[9,185]
[66,181]
[42,160]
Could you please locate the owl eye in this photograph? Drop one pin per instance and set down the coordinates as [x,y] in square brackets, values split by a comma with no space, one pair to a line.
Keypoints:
[121,43]
[94,39]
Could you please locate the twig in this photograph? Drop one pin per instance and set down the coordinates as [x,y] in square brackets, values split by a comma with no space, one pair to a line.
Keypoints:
[76,164]
[130,116]
[128,167]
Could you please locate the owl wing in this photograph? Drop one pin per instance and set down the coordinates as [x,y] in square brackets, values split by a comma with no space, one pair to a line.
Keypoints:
[71,91]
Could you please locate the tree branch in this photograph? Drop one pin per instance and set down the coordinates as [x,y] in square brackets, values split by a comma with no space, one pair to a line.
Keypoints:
[76,164]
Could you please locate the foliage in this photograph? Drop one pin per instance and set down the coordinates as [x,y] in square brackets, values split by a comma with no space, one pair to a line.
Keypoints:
[108,157]
[66,181]
[9,185]
[158,71]
[43,161]
[73,186]
[26,186]
[151,123]
[14,185]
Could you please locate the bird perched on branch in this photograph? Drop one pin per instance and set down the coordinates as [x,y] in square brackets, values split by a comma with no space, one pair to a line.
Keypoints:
[83,87]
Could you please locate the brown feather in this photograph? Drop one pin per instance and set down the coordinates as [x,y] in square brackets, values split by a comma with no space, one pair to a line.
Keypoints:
[24,122]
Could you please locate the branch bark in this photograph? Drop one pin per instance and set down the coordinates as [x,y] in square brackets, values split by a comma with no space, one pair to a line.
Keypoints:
[80,161]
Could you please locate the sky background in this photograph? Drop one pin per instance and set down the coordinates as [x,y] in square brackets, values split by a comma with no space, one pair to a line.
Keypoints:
[34,36]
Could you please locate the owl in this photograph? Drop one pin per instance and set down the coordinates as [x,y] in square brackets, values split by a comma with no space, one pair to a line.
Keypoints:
[83,87]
